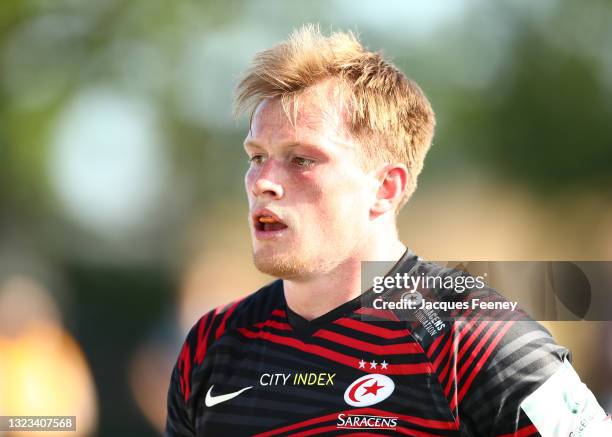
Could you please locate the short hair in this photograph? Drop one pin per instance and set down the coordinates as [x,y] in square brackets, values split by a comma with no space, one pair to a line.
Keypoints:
[387,113]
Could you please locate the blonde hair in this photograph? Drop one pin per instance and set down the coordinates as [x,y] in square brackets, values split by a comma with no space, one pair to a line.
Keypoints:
[386,112]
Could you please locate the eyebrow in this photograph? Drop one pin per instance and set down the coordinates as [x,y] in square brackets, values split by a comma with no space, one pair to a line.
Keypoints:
[291,145]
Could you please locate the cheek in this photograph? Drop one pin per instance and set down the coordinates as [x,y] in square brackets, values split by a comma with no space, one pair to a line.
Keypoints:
[251,174]
[307,186]
[249,181]
[339,202]
[353,201]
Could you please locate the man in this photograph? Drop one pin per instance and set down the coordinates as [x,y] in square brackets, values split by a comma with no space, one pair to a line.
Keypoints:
[337,139]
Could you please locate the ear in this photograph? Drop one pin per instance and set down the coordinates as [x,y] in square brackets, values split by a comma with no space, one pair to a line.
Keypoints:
[392,184]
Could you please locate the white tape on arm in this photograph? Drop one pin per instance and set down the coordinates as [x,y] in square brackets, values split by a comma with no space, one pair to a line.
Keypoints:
[564,406]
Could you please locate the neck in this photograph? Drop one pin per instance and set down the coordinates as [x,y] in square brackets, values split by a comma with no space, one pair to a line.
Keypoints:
[317,295]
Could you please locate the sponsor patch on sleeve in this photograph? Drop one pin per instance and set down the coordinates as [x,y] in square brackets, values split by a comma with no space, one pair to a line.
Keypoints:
[564,406]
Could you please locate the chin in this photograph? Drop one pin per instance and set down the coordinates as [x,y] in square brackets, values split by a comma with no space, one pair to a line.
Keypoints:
[285,265]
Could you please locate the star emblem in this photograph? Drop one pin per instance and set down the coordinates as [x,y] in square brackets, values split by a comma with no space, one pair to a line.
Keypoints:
[362,364]
[373,364]
[373,388]
[384,365]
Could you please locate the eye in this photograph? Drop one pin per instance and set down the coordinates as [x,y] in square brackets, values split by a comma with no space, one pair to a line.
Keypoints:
[256,159]
[302,162]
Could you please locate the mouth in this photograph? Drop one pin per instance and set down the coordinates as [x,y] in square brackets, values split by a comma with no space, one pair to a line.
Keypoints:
[266,223]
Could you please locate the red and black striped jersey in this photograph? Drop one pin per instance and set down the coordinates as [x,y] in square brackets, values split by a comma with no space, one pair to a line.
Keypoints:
[256,368]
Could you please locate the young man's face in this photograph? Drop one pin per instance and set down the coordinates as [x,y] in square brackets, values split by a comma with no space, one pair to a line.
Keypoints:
[309,197]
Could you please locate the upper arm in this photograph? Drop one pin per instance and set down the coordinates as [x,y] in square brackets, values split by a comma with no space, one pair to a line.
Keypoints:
[523,385]
[183,388]
[179,419]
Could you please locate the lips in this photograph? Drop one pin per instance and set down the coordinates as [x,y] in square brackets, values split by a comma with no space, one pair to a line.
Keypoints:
[265,221]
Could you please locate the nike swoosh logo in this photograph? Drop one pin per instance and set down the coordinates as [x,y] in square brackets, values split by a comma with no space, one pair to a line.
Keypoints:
[211,400]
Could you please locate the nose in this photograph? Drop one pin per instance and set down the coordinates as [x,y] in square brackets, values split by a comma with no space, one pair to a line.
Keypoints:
[266,181]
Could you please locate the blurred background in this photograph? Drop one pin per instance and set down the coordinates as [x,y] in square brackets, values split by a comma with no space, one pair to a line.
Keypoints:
[122,212]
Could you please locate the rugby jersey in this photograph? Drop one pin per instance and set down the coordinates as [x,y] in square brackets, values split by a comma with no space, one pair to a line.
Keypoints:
[255,368]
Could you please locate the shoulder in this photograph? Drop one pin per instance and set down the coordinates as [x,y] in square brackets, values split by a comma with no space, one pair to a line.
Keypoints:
[243,312]
[489,356]
[212,326]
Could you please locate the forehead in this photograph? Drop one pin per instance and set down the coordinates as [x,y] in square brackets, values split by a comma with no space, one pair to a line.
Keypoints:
[313,115]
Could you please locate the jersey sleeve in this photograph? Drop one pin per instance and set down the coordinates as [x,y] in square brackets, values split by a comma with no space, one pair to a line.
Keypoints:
[523,385]
[180,418]
[188,375]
